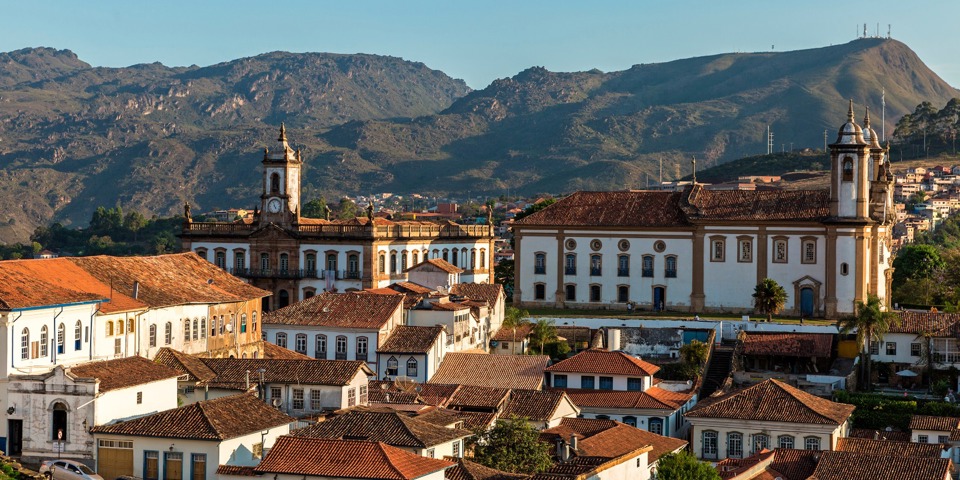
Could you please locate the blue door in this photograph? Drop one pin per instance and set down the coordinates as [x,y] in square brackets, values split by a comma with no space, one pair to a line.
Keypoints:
[806,302]
[659,298]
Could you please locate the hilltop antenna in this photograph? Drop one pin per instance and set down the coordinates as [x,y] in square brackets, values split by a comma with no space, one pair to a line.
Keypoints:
[888,30]
[864,30]
[769,141]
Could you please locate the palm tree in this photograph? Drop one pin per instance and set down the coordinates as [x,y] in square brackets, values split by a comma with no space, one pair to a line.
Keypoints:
[871,323]
[543,331]
[514,317]
[769,297]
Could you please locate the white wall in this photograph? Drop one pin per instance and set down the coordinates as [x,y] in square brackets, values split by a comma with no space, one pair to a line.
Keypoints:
[828,434]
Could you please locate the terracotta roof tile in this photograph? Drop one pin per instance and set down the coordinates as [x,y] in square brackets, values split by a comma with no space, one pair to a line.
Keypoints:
[857,466]
[275,352]
[232,372]
[52,281]
[773,401]
[235,470]
[446,306]
[794,464]
[440,416]
[410,287]
[513,334]
[349,310]
[653,397]
[930,422]
[467,470]
[610,439]
[185,364]
[387,392]
[218,419]
[733,467]
[880,434]
[758,205]
[346,459]
[581,427]
[603,361]
[123,372]
[440,263]
[535,405]
[410,339]
[473,397]
[497,371]
[626,209]
[487,292]
[382,425]
[944,324]
[789,344]
[475,420]
[887,447]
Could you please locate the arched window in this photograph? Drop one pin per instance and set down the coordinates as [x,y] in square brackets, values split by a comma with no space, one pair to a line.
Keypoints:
[61,332]
[383,263]
[623,265]
[412,367]
[203,327]
[483,259]
[130,328]
[473,260]
[735,445]
[196,329]
[59,421]
[109,328]
[539,263]
[332,262]
[847,169]
[77,335]
[403,261]
[275,183]
[760,442]
[120,327]
[709,442]
[186,330]
[153,335]
[284,262]
[785,441]
[393,262]
[220,259]
[44,341]
[811,443]
[416,258]
[392,366]
[353,265]
[646,266]
[453,258]
[362,348]
[282,339]
[25,344]
[253,322]
[596,265]
[168,333]
[221,324]
[300,343]
[264,262]
[570,264]
[310,264]
[446,255]
[202,253]
[670,266]
[341,353]
[320,350]
[630,420]
[656,426]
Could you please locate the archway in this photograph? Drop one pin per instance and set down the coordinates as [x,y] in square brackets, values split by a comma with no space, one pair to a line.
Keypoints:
[59,430]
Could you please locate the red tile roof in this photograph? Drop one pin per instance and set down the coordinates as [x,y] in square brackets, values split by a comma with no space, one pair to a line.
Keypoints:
[447,306]
[581,427]
[275,352]
[497,371]
[410,287]
[123,372]
[517,334]
[893,435]
[472,397]
[382,425]
[185,364]
[410,339]
[610,439]
[535,405]
[605,362]
[938,324]
[930,422]
[53,281]
[486,292]
[467,470]
[887,447]
[794,464]
[439,263]
[857,466]
[235,470]
[348,310]
[757,205]
[218,419]
[789,344]
[774,401]
[653,397]
[346,459]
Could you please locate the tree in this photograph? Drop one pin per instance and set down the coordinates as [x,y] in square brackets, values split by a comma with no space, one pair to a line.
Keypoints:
[543,332]
[871,323]
[347,209]
[512,445]
[134,222]
[316,208]
[769,297]
[514,317]
[503,274]
[916,261]
[694,356]
[684,466]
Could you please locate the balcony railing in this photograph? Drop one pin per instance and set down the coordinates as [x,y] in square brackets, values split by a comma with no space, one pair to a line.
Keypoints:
[596,271]
[352,231]
[570,270]
[647,273]
[623,272]
[294,273]
[539,270]
[670,273]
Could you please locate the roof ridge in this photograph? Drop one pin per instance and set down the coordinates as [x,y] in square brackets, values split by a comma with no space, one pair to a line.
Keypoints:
[206,418]
[803,401]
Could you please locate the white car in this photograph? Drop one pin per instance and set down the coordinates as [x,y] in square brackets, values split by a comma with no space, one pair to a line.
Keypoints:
[67,470]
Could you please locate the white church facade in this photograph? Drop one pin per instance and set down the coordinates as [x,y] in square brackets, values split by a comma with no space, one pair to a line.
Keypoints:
[701,250]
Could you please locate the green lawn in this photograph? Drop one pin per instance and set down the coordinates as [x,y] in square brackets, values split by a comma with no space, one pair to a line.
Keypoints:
[580,313]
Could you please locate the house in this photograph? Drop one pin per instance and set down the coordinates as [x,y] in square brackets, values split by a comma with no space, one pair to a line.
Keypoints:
[618,386]
[51,413]
[392,428]
[805,360]
[863,461]
[677,250]
[942,432]
[190,441]
[412,353]
[768,414]
[496,371]
[341,326]
[297,257]
[467,470]
[295,458]
[917,337]
[490,293]
[467,322]
[542,408]
[858,466]
[436,272]
[584,437]
[511,340]
[301,388]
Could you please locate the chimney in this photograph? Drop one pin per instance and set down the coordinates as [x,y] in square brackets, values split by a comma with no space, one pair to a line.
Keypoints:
[573,442]
[560,448]
[136,289]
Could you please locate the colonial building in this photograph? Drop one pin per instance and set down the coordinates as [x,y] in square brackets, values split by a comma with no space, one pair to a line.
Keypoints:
[678,250]
[296,257]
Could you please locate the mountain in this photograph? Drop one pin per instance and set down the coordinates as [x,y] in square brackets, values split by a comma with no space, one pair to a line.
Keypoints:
[73,137]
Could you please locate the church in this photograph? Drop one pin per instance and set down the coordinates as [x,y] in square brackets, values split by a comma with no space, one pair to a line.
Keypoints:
[296,257]
[699,250]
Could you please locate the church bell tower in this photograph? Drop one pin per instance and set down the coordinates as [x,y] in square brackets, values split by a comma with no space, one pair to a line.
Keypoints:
[850,163]
[280,200]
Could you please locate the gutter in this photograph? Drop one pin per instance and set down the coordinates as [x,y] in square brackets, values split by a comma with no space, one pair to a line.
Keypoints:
[53,352]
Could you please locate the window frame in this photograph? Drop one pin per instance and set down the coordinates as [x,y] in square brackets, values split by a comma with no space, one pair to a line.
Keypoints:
[596,293]
[807,441]
[710,444]
[539,291]
[539,263]
[734,445]
[562,383]
[806,242]
[320,340]
[280,339]
[776,242]
[745,249]
[647,263]
[416,367]
[786,441]
[718,248]
[667,271]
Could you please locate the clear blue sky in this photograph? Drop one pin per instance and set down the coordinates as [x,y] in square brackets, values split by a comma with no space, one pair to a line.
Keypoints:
[477,41]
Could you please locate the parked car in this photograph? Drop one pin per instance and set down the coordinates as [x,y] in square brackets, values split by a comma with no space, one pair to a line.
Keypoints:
[67,470]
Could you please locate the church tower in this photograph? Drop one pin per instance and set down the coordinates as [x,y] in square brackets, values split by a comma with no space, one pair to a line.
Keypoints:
[850,166]
[280,200]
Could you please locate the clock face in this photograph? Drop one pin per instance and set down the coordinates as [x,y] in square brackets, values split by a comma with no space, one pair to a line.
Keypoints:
[274,205]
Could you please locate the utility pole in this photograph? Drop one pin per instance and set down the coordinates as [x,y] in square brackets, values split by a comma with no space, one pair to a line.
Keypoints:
[694,162]
[824,139]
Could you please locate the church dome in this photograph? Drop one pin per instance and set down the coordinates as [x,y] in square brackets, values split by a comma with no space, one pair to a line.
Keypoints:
[869,134]
[850,133]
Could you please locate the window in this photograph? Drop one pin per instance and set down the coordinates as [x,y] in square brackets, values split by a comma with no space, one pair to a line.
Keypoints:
[587,382]
[603,417]
[456,449]
[596,265]
[222,325]
[412,368]
[362,348]
[560,381]
[570,264]
[453,256]
[670,267]
[943,439]
[25,344]
[198,466]
[265,262]
[594,293]
[735,445]
[382,263]
[431,453]
[243,323]
[310,264]
[257,450]
[393,366]
[445,254]
[504,345]
[275,393]
[847,169]
[606,383]
[915,349]
[540,263]
[320,349]
[656,426]
[922,439]
[634,384]
[315,402]
[623,266]
[153,335]
[891,348]
[393,262]
[363,394]
[202,253]
[239,260]
[717,249]
[760,442]
[353,265]
[186,330]
[61,332]
[117,346]
[539,291]
[109,329]
[274,183]
[571,293]
[623,293]
[647,266]
[844,269]
[874,348]
[811,443]
[785,441]
[282,339]
[341,353]
[151,465]
[139,398]
[709,442]
[630,420]
[332,262]
[77,335]
[120,327]
[745,250]
[300,343]
[298,399]
[809,251]
[44,341]
[284,262]
[203,326]
[780,250]
[483,259]
[130,328]
[172,465]
[196,329]
[168,333]
[220,259]
[253,322]
[351,397]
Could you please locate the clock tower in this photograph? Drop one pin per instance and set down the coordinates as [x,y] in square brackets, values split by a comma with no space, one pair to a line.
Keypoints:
[280,201]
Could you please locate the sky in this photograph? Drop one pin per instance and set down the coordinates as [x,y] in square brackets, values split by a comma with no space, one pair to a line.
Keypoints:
[477,41]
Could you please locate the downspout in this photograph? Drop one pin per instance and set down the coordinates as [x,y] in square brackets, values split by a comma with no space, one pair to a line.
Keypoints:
[12,355]
[55,335]
[93,330]
[136,321]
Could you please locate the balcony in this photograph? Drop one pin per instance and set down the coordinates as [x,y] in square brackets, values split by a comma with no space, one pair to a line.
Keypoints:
[267,273]
[623,272]
[539,270]
[647,273]
[570,270]
[596,271]
[670,273]
[351,275]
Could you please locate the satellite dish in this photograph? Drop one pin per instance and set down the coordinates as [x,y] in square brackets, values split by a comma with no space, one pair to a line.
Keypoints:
[229,327]
[276,402]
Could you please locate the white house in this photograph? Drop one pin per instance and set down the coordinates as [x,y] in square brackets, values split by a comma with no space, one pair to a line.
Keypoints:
[542,408]
[412,353]
[677,250]
[190,441]
[917,337]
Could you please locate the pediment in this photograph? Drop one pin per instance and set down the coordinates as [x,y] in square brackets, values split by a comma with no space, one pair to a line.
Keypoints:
[807,280]
[271,231]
